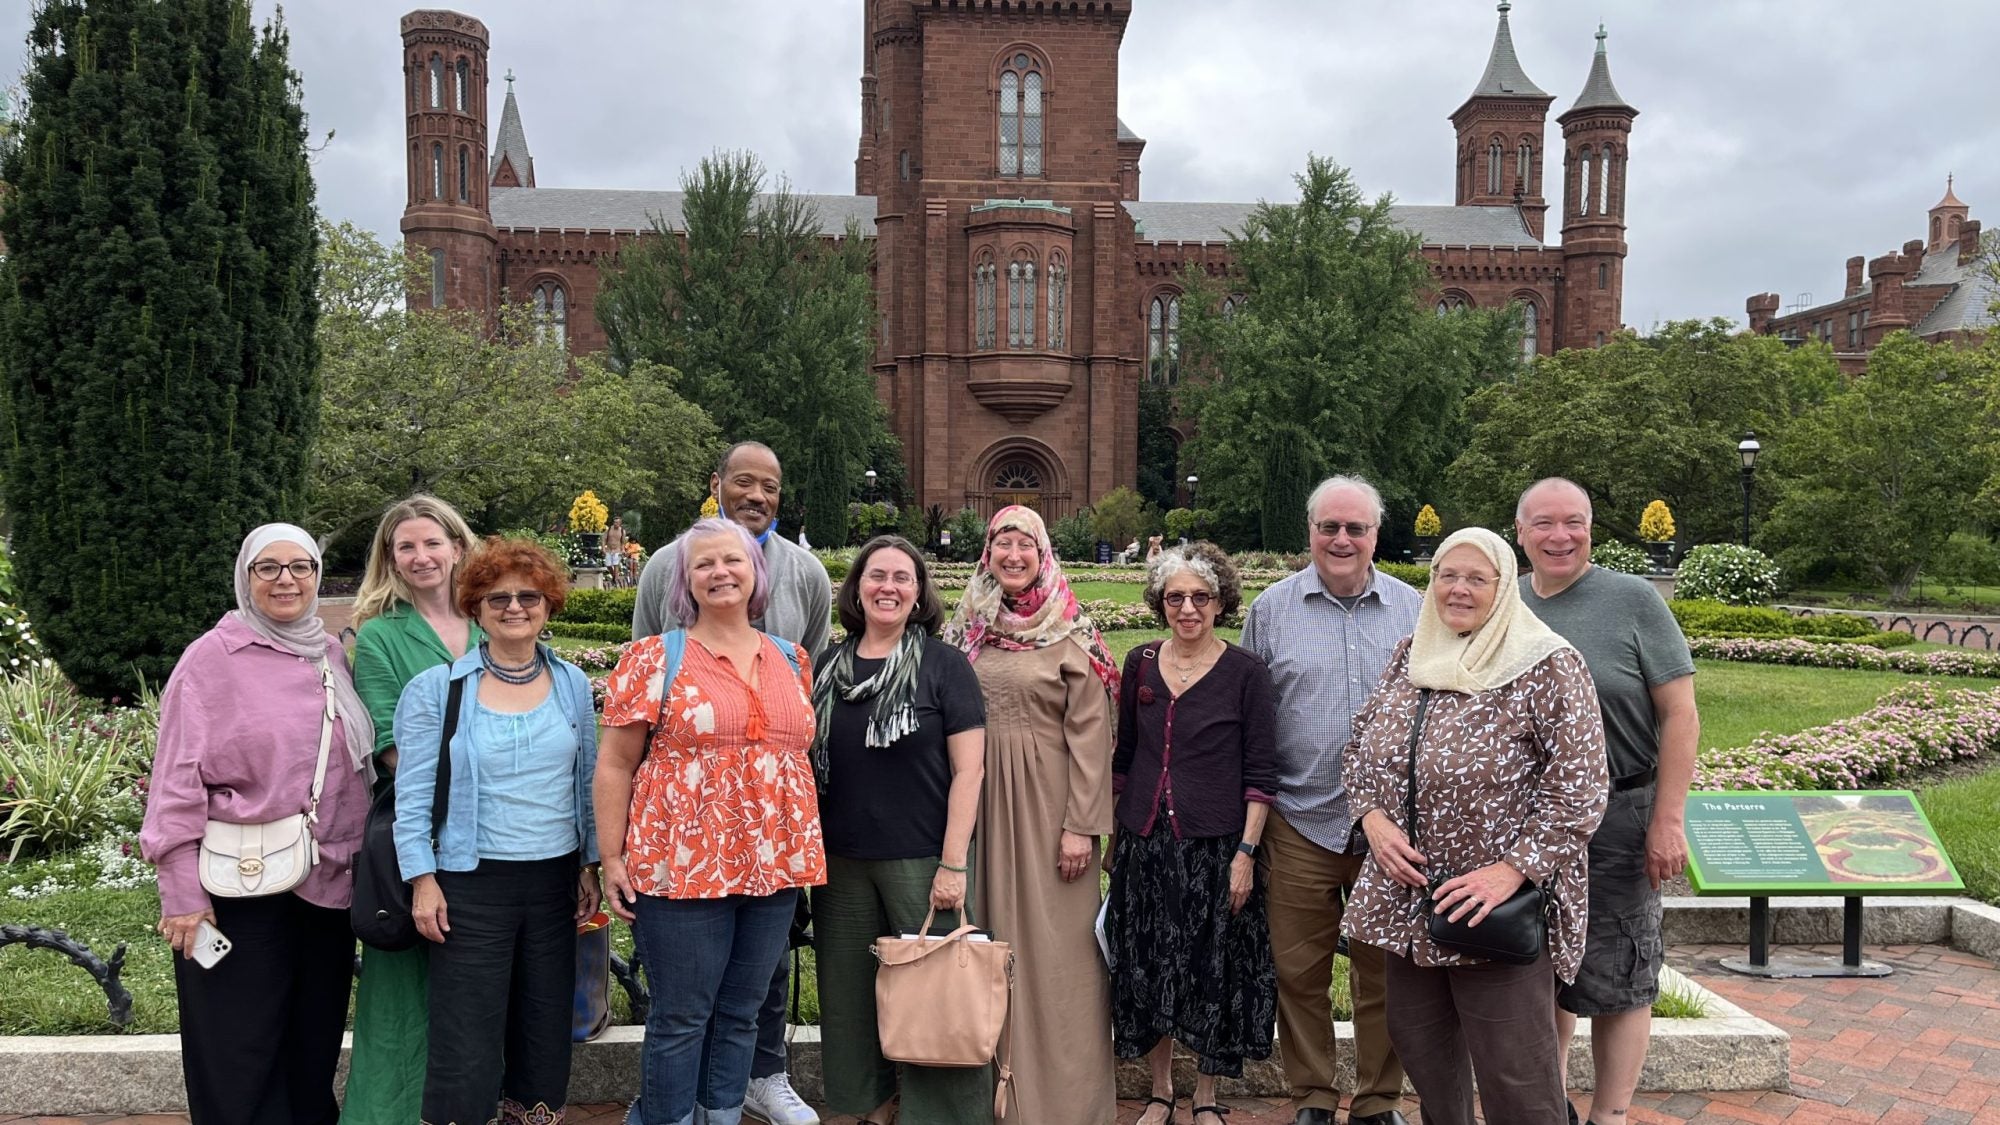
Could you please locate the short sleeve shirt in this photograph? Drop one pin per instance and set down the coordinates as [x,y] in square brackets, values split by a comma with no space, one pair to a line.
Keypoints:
[723,803]
[890,802]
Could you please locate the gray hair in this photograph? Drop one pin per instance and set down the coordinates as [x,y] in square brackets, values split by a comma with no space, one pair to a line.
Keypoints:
[1336,483]
[1205,561]
[1521,505]
[1173,561]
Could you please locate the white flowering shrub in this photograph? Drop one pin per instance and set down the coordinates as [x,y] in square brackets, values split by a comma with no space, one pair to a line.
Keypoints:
[19,646]
[1727,573]
[1621,557]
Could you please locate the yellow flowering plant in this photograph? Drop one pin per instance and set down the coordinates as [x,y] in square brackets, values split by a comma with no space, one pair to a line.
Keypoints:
[1657,524]
[710,508]
[587,513]
[1428,522]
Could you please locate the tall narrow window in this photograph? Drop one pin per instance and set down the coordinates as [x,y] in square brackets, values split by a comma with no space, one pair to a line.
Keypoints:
[1021,88]
[1163,350]
[551,314]
[1021,302]
[1853,330]
[1524,165]
[464,175]
[437,279]
[985,290]
[437,171]
[1604,168]
[1173,339]
[462,87]
[1230,305]
[437,82]
[1058,299]
[1586,168]
[1531,331]
[1604,275]
[1493,167]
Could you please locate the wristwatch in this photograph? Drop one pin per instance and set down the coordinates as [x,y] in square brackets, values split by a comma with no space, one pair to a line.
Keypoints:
[1247,848]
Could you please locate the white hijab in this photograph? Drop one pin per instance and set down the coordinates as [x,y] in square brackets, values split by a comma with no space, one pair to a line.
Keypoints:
[1510,641]
[304,636]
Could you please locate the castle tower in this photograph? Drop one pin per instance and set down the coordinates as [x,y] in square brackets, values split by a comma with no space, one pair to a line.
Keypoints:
[1500,136]
[445,216]
[1596,131]
[1947,215]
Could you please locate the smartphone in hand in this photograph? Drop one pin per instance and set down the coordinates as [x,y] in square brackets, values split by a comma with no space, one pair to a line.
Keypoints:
[210,947]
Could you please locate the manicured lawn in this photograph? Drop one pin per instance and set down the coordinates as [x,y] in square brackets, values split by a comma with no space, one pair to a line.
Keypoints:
[1966,814]
[46,995]
[1741,701]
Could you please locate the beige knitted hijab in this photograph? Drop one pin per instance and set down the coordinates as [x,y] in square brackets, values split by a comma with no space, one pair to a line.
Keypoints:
[1511,641]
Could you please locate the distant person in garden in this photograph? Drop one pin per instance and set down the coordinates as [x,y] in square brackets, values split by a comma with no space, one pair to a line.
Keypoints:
[1326,633]
[796,606]
[1645,686]
[514,871]
[408,616]
[1051,690]
[1194,771]
[241,724]
[1493,715]
[899,756]
[708,820]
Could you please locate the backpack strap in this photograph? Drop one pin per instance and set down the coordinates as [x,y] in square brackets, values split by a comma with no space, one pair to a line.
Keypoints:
[441,795]
[673,646]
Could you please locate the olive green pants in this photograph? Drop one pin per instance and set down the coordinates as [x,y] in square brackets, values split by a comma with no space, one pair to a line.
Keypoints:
[861,901]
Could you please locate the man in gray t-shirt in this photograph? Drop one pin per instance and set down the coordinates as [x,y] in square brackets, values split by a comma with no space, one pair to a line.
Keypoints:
[1645,686]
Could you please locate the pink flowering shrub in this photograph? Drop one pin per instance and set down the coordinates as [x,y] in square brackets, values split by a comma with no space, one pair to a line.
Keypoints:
[1793,650]
[1914,727]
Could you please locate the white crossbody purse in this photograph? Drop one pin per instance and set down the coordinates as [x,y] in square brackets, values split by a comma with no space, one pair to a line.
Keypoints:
[252,860]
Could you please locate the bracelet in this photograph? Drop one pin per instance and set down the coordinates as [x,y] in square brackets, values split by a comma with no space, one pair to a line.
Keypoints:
[950,868]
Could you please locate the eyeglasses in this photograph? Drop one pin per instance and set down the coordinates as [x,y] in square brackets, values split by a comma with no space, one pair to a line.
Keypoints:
[1332,528]
[882,577]
[1200,598]
[268,570]
[529,599]
[1473,582]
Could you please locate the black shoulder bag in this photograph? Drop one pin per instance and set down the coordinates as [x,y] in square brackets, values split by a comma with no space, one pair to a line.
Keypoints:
[380,910]
[1514,931]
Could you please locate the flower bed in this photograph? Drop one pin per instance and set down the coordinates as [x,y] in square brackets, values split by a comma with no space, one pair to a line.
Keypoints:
[1796,650]
[1909,729]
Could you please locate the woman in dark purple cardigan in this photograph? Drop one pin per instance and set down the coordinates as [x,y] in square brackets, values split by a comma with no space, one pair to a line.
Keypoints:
[1194,770]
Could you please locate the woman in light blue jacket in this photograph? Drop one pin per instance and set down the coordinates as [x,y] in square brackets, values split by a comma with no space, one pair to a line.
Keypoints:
[514,866]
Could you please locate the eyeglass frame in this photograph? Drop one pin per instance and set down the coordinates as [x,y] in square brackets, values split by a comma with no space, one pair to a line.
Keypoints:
[311,565]
[1202,599]
[498,602]
[1348,526]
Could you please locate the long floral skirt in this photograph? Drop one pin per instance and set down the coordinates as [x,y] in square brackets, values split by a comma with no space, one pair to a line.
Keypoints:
[1182,966]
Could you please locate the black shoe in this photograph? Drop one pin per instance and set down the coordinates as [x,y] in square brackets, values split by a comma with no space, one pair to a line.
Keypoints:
[1386,1117]
[1314,1117]
[1571,1106]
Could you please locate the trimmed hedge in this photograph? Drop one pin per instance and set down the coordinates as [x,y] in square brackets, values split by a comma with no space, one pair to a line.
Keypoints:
[1711,618]
[590,631]
[598,607]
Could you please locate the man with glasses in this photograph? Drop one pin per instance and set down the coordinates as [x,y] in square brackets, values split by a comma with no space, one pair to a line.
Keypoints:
[745,485]
[1327,633]
[1645,686]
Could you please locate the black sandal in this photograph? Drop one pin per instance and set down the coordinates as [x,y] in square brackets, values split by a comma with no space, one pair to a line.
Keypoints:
[1168,1102]
[1218,1110]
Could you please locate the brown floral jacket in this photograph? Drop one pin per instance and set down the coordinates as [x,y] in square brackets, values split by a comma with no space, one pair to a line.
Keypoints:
[1516,774]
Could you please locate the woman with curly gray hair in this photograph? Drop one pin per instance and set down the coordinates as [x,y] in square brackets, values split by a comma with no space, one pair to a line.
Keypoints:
[1194,770]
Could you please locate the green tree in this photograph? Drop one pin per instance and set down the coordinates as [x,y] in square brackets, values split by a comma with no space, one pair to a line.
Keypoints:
[1877,479]
[1159,450]
[158,324]
[771,324]
[496,418]
[1119,516]
[1638,420]
[1335,363]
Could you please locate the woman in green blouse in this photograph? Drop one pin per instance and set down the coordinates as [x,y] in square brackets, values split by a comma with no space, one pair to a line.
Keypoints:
[408,621]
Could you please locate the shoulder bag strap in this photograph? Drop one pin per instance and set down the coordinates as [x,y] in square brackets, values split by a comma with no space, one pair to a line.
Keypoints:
[325,741]
[441,799]
[1410,790]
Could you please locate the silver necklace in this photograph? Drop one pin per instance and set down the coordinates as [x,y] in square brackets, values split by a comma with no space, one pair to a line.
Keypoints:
[511,673]
[1188,670]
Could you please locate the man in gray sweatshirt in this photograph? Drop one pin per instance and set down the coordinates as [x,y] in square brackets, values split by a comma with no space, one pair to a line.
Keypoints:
[745,485]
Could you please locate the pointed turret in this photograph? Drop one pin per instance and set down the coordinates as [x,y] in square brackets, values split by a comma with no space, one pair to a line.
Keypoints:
[512,166]
[1947,215]
[1597,136]
[1500,131]
[1598,92]
[1504,77]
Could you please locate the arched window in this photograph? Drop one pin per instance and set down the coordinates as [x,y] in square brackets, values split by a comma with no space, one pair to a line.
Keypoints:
[1586,168]
[1524,164]
[1604,167]
[1230,304]
[1021,116]
[551,314]
[1452,302]
[1163,344]
[462,89]
[1493,167]
[464,174]
[903,164]
[1531,331]
[1604,275]
[1954,228]
[1058,300]
[1021,301]
[437,81]
[437,278]
[985,287]
[1937,229]
[437,171]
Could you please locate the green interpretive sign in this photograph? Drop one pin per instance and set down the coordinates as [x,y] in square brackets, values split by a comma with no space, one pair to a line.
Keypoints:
[1814,843]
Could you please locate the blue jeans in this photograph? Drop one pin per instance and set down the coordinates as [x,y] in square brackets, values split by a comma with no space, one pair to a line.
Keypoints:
[709,962]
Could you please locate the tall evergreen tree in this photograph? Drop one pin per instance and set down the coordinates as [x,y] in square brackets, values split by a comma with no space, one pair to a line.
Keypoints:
[771,325]
[158,346]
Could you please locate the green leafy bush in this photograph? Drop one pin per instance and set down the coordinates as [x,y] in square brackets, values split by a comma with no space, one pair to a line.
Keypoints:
[838,560]
[68,769]
[19,647]
[1728,573]
[598,607]
[1075,539]
[1621,557]
[1415,574]
[1965,557]
[968,535]
[591,631]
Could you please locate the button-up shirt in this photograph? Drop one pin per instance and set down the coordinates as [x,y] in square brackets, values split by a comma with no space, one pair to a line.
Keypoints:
[1324,659]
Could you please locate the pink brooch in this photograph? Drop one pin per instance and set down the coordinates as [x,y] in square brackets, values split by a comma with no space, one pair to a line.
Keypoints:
[1145,693]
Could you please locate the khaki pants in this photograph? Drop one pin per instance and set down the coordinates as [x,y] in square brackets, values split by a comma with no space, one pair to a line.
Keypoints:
[1305,883]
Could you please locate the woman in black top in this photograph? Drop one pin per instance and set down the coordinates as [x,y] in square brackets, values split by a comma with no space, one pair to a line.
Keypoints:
[1195,768]
[900,755]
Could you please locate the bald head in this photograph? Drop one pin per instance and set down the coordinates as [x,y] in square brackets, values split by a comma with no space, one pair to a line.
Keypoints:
[1552,486]
[1552,523]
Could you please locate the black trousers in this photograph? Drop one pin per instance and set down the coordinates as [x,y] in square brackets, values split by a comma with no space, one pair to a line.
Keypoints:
[501,986]
[260,1032]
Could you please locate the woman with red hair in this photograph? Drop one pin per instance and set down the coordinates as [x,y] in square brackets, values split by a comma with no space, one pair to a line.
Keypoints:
[514,868]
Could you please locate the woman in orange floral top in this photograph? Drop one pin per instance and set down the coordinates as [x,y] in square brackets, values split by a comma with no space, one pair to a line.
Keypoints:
[708,832]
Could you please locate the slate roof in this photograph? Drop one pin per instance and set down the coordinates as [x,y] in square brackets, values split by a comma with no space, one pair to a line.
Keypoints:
[1969,305]
[512,142]
[1598,92]
[1504,77]
[1439,226]
[1125,132]
[616,209]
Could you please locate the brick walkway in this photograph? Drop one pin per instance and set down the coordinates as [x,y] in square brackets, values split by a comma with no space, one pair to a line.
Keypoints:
[1919,1047]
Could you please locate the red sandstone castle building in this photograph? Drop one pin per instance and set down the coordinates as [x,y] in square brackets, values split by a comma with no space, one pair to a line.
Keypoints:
[1024,286]
[1937,287]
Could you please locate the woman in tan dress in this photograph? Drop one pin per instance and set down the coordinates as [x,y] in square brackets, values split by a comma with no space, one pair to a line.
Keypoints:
[1050,687]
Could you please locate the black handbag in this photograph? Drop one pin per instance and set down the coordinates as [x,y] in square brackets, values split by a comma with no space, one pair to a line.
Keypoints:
[1514,931]
[380,909]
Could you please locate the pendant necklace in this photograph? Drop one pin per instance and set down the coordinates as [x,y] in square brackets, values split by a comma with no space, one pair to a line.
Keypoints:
[1188,670]
[511,673]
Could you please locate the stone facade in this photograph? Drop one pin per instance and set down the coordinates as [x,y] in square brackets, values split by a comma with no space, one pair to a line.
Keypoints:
[1025,289]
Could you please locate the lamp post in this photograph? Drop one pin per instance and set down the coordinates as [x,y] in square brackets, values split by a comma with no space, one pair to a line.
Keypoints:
[1747,450]
[869,495]
[1193,483]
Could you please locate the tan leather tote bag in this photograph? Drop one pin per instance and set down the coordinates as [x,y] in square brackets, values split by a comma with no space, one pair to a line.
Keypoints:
[942,1001]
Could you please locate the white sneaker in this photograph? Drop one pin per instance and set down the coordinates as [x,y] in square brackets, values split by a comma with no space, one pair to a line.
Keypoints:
[771,1099]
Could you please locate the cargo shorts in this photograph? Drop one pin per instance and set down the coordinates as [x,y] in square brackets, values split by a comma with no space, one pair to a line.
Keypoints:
[1621,952]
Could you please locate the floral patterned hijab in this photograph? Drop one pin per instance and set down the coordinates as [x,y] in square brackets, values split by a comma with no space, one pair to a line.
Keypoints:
[1045,613]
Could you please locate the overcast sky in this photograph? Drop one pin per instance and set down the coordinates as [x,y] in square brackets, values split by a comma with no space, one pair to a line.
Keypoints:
[1775,137]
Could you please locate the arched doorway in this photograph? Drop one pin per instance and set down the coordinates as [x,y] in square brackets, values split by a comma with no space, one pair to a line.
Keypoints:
[1018,471]
[1019,481]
